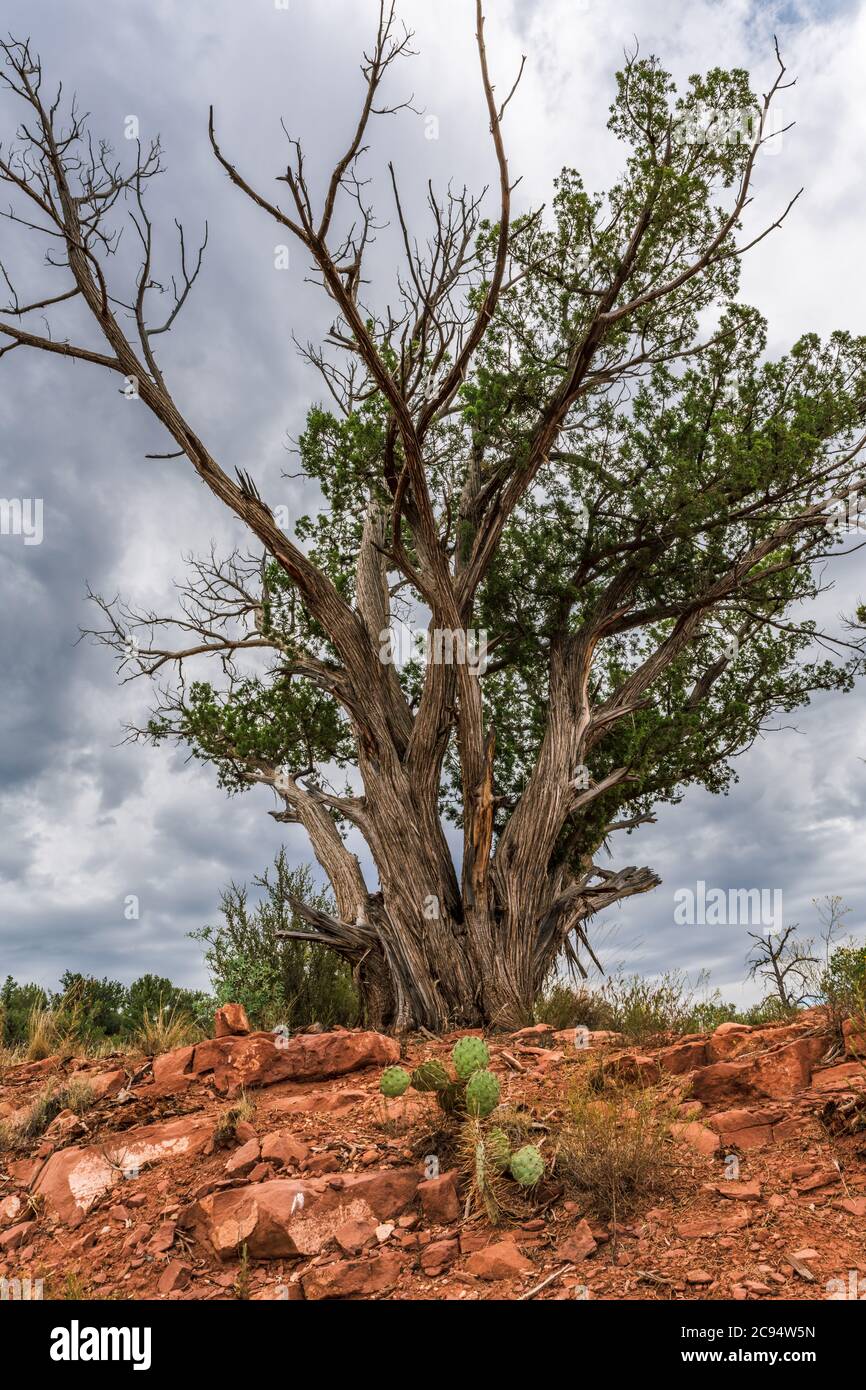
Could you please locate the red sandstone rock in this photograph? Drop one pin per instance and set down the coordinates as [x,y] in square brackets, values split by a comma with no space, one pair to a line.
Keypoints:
[231,1021]
[72,1179]
[439,1200]
[296,1216]
[353,1278]
[579,1245]
[500,1261]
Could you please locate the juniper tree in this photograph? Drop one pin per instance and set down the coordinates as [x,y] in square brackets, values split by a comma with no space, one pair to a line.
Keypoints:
[559,427]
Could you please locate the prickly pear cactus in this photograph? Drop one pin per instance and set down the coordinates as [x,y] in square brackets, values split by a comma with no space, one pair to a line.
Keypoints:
[498,1150]
[430,1076]
[482,1093]
[395,1080]
[469,1055]
[527,1166]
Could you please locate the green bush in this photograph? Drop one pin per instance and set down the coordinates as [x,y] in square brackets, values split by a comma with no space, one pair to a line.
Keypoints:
[843,984]
[278,981]
[567,1006]
[152,996]
[16,1005]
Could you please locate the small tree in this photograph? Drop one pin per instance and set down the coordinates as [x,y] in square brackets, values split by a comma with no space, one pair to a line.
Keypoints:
[786,963]
[278,978]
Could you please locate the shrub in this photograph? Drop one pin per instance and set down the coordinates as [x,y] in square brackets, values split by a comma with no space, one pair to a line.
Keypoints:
[612,1150]
[17,1002]
[643,1009]
[843,984]
[567,1006]
[151,994]
[277,980]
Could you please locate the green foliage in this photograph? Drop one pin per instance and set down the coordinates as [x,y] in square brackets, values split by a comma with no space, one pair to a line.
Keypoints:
[96,1004]
[17,1002]
[567,1006]
[843,984]
[278,981]
[150,996]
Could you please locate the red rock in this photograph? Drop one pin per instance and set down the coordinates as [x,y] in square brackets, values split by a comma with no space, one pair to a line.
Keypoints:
[698,1276]
[439,1201]
[535,1030]
[256,1060]
[701,1139]
[244,1131]
[440,1253]
[106,1083]
[825,1177]
[854,1033]
[502,1260]
[176,1275]
[231,1021]
[353,1278]
[9,1208]
[747,1129]
[855,1205]
[296,1216]
[704,1228]
[23,1170]
[162,1238]
[634,1069]
[727,1040]
[244,1158]
[777,1074]
[16,1236]
[738,1191]
[322,1163]
[847,1076]
[682,1057]
[283,1149]
[260,1172]
[72,1179]
[354,1236]
[173,1070]
[319,1102]
[577,1246]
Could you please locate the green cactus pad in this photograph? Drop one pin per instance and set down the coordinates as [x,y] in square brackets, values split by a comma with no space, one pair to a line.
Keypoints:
[470,1055]
[430,1076]
[527,1166]
[395,1080]
[498,1149]
[482,1093]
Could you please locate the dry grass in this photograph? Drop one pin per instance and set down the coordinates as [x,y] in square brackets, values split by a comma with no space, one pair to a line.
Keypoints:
[165,1029]
[228,1120]
[613,1150]
[77,1097]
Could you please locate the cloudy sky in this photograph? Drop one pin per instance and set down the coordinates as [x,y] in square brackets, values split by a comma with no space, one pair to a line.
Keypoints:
[88,821]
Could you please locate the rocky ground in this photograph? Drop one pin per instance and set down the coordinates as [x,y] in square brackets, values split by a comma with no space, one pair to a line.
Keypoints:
[317,1188]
